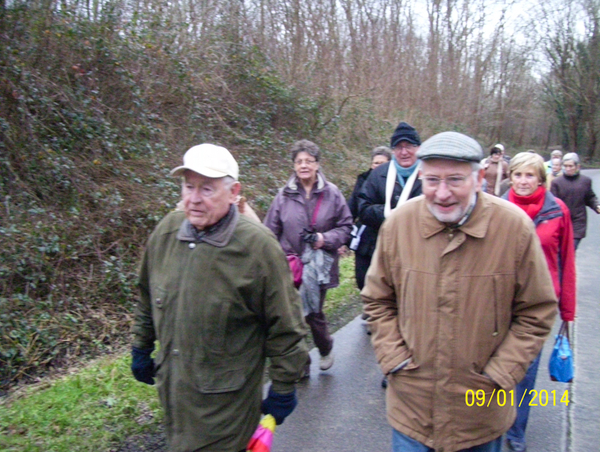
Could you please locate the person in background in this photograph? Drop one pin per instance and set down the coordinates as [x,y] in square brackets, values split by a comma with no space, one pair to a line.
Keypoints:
[459,300]
[555,231]
[555,154]
[310,211]
[364,237]
[495,170]
[555,171]
[217,294]
[391,184]
[575,190]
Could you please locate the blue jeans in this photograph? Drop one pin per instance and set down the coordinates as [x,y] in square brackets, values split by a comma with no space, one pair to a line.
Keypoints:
[403,443]
[517,432]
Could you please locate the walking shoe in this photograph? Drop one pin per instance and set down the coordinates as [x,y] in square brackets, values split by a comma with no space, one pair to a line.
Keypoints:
[325,362]
[516,446]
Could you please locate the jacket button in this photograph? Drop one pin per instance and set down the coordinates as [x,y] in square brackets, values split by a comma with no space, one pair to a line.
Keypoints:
[176,352]
[495,333]
[192,245]
[158,302]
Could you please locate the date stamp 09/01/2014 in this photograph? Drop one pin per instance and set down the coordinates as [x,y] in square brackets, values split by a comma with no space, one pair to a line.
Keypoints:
[540,398]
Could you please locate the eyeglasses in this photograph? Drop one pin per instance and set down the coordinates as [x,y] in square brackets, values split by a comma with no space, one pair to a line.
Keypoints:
[307,161]
[451,181]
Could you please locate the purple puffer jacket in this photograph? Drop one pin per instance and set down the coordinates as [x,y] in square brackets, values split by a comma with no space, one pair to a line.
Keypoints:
[291,212]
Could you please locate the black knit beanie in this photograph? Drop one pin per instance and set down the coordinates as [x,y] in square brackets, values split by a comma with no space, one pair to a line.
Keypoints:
[405,132]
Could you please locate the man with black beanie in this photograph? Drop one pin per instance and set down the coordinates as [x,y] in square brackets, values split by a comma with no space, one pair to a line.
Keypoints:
[390,184]
[387,187]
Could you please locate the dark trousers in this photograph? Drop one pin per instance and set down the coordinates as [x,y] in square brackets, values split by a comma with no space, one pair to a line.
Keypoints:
[319,329]
[361,265]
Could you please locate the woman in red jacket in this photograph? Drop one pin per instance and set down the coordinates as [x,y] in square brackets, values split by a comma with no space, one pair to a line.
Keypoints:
[553,225]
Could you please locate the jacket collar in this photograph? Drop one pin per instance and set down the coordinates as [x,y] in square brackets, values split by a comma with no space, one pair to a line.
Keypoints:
[292,183]
[551,209]
[217,235]
[476,226]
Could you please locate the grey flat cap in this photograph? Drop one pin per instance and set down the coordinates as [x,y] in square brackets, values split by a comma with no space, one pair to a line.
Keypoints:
[451,146]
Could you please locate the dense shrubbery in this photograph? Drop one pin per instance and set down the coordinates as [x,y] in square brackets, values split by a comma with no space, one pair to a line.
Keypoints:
[93,114]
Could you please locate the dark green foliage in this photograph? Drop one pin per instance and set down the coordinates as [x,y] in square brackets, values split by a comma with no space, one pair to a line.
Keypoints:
[93,114]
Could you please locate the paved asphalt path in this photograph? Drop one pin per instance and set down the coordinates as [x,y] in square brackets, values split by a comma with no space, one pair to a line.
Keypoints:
[343,409]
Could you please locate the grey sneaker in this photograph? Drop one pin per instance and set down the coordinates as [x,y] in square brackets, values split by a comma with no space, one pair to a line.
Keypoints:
[325,362]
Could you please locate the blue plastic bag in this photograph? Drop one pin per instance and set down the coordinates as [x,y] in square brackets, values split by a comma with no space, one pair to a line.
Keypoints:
[561,359]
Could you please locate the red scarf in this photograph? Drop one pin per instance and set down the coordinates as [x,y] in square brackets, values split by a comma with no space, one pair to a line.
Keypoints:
[531,204]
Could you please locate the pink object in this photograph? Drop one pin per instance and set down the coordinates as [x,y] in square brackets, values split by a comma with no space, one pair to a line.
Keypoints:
[262,440]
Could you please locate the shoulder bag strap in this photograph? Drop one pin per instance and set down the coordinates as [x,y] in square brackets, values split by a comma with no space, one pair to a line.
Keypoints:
[313,221]
[565,330]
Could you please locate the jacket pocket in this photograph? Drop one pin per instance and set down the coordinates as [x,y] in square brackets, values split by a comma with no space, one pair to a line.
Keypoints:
[160,304]
[221,378]
[215,325]
[484,316]
[225,374]
[480,381]
[417,309]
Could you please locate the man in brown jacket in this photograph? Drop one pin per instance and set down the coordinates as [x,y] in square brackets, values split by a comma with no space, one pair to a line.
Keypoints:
[459,304]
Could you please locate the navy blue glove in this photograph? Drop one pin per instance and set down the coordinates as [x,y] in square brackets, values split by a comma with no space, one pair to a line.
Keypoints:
[278,405]
[142,366]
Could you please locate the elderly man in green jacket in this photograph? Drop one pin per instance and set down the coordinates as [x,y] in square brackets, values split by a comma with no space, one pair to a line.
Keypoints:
[217,294]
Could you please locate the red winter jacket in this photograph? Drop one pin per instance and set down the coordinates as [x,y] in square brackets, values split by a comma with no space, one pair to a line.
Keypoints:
[555,230]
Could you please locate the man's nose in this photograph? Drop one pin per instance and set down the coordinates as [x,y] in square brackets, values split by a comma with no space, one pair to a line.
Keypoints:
[442,191]
[195,196]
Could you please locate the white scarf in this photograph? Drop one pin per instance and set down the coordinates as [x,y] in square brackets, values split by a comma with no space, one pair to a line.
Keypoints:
[389,188]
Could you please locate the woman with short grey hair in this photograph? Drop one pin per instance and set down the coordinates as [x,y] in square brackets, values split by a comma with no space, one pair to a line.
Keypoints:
[309,213]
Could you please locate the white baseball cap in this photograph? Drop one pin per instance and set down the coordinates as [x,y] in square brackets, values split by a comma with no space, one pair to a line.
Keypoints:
[208,160]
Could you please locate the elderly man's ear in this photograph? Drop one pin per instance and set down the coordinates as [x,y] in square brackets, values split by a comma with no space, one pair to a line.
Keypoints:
[236,188]
[480,175]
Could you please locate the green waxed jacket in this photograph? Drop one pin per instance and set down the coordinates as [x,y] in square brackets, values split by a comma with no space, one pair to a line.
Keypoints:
[219,306]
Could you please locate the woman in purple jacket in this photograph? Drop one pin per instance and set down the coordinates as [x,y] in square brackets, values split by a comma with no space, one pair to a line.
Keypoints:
[310,210]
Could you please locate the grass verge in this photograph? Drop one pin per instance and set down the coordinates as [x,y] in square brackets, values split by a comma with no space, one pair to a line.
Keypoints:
[101,405]
[98,406]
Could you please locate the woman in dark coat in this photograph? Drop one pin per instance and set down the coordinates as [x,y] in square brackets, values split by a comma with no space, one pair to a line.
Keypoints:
[575,190]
